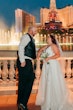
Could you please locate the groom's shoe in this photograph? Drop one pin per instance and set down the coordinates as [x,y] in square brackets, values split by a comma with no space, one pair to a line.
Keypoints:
[22,107]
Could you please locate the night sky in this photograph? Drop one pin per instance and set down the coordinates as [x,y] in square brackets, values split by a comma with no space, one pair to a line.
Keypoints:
[8,7]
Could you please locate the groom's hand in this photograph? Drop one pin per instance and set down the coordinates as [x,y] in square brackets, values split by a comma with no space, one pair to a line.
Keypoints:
[38,58]
[23,64]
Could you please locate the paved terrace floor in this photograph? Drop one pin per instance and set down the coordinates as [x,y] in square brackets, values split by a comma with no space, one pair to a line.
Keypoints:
[8,102]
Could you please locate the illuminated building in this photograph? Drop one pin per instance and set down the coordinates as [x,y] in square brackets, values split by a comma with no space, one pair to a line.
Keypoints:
[63,15]
[23,20]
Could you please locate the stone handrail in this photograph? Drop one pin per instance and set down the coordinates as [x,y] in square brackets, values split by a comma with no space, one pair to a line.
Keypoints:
[8,67]
[9,72]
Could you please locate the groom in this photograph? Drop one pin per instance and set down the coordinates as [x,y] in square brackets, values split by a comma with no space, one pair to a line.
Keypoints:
[26,53]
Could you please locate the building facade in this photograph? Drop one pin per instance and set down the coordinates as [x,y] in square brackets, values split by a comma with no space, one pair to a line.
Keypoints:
[23,20]
[64,15]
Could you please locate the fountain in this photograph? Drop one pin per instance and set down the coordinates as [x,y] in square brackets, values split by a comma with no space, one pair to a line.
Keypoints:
[9,41]
[9,38]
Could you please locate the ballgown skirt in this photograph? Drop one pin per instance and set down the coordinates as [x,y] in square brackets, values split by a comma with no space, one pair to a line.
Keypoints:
[53,93]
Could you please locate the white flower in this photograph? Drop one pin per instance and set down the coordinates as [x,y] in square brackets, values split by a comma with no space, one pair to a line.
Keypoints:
[44,55]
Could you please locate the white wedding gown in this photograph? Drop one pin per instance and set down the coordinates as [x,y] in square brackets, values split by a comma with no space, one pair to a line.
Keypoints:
[53,93]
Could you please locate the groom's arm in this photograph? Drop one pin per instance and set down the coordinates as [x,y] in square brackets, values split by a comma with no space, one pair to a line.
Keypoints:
[21,50]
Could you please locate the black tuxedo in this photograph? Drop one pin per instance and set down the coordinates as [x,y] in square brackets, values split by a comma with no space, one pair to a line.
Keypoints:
[26,74]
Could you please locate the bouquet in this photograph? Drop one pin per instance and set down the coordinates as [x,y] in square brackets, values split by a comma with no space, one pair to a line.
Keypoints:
[44,55]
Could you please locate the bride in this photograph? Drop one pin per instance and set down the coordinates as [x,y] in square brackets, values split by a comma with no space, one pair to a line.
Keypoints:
[53,93]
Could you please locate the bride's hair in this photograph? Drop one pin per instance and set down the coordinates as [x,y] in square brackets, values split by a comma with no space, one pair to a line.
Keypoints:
[53,39]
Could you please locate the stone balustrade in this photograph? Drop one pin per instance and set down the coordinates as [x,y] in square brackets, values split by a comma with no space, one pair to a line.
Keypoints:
[9,71]
[8,68]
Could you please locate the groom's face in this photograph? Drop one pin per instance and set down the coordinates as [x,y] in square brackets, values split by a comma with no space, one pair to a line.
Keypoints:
[34,32]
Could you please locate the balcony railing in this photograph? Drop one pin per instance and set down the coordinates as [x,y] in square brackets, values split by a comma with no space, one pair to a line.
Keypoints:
[9,71]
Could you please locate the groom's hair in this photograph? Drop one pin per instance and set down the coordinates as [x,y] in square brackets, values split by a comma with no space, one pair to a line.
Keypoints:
[33,28]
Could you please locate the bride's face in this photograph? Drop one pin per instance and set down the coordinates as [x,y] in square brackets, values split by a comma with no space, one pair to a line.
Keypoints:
[49,41]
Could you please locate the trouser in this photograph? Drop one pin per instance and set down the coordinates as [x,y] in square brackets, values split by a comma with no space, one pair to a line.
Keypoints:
[26,79]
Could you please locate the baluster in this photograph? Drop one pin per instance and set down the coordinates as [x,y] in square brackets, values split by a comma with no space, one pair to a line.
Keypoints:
[5,70]
[0,71]
[16,70]
[62,63]
[37,72]
[69,68]
[66,66]
[72,72]
[11,71]
[16,73]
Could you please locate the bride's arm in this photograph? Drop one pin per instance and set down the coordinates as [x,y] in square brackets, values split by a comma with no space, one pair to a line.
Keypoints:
[41,50]
[56,53]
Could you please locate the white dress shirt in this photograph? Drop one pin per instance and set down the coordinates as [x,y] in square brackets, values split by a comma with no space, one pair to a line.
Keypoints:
[25,39]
